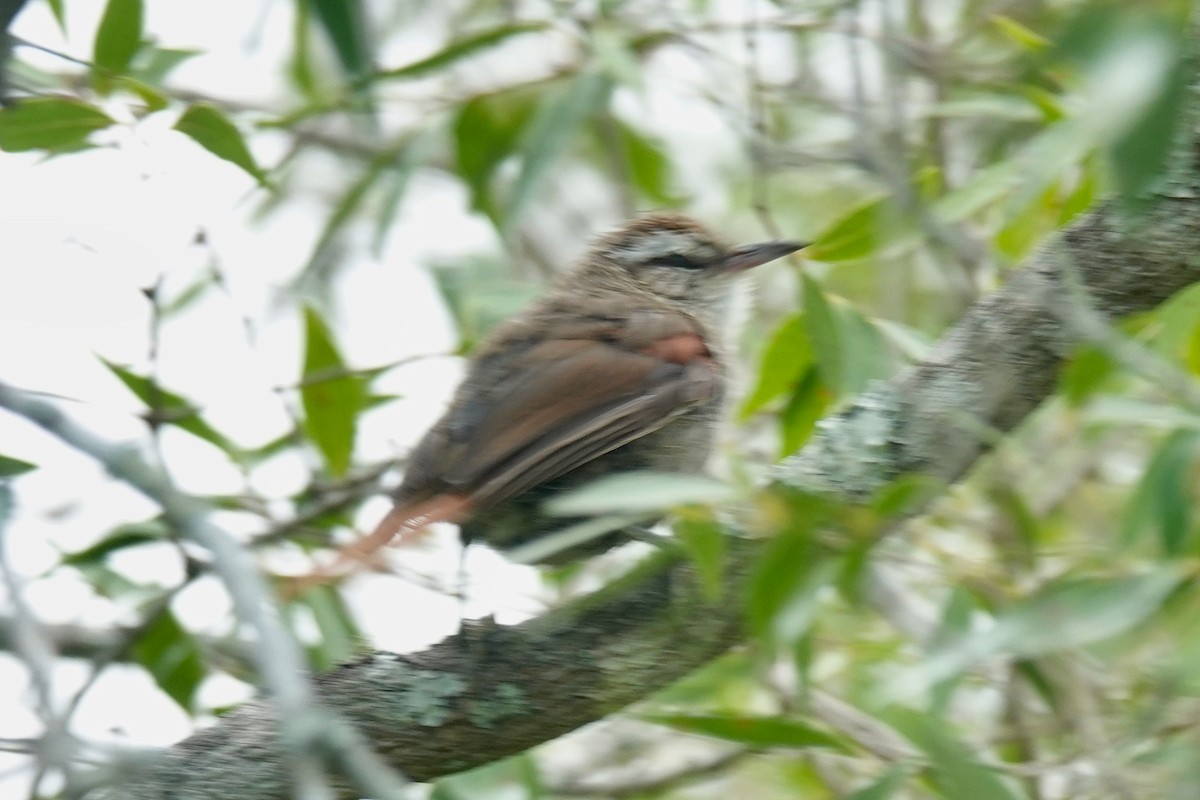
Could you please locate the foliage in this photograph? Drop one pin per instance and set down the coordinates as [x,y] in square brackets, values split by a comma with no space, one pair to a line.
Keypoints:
[1061,575]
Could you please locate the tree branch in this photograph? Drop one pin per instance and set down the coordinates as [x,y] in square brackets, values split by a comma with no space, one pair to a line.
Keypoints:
[493,691]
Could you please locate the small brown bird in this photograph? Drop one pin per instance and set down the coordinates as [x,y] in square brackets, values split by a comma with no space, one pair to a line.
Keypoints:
[617,368]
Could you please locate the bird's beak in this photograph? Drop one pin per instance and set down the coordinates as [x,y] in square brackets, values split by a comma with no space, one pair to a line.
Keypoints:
[751,255]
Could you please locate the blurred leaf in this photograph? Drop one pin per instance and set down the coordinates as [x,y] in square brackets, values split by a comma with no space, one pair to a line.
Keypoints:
[414,156]
[479,296]
[956,773]
[649,166]
[154,99]
[339,636]
[352,199]
[173,657]
[153,64]
[56,8]
[169,408]
[344,22]
[1068,613]
[1140,155]
[11,467]
[460,49]
[639,491]
[331,398]
[856,235]
[48,123]
[847,348]
[822,328]
[704,541]
[615,56]
[1018,32]
[554,125]
[785,360]
[485,135]
[1084,374]
[118,35]
[213,131]
[807,405]
[1163,499]
[121,537]
[884,788]
[788,581]
[756,732]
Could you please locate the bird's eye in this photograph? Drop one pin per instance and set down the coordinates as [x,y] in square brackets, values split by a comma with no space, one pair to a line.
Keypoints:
[678,260]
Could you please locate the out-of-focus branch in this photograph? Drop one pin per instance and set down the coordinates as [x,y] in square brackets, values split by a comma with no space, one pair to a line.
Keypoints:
[311,735]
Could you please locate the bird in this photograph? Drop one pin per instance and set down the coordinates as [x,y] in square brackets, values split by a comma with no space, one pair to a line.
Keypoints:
[618,367]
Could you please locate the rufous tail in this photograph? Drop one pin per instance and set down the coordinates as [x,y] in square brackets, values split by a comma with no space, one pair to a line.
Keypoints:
[402,524]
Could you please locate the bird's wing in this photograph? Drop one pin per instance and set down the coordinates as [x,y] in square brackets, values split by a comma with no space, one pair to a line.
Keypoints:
[546,405]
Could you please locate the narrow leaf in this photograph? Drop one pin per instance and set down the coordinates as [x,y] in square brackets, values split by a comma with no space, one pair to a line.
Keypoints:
[956,772]
[332,403]
[550,133]
[1163,498]
[785,359]
[11,467]
[49,123]
[213,131]
[460,49]
[173,657]
[1069,613]
[344,22]
[118,36]
[640,491]
[121,537]
[751,731]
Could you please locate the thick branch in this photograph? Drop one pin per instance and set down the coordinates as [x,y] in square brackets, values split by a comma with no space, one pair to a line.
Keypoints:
[494,691]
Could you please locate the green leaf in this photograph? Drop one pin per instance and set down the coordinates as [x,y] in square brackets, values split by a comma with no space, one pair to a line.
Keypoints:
[1019,33]
[640,491]
[49,123]
[11,467]
[550,132]
[153,64]
[415,155]
[704,541]
[822,326]
[344,22]
[331,398]
[1163,499]
[121,537]
[785,360]
[787,586]
[460,49]
[757,732]
[807,405]
[56,8]
[213,131]
[648,164]
[884,788]
[339,636]
[856,235]
[956,773]
[486,132]
[173,657]
[118,36]
[1140,155]
[169,408]
[1068,613]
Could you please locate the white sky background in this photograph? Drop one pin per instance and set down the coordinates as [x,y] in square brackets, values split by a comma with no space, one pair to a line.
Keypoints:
[82,235]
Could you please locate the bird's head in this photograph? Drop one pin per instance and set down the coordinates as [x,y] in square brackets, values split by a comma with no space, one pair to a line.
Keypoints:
[677,258]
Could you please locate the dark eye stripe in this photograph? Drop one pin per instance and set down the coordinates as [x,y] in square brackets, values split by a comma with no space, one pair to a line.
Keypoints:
[675,260]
